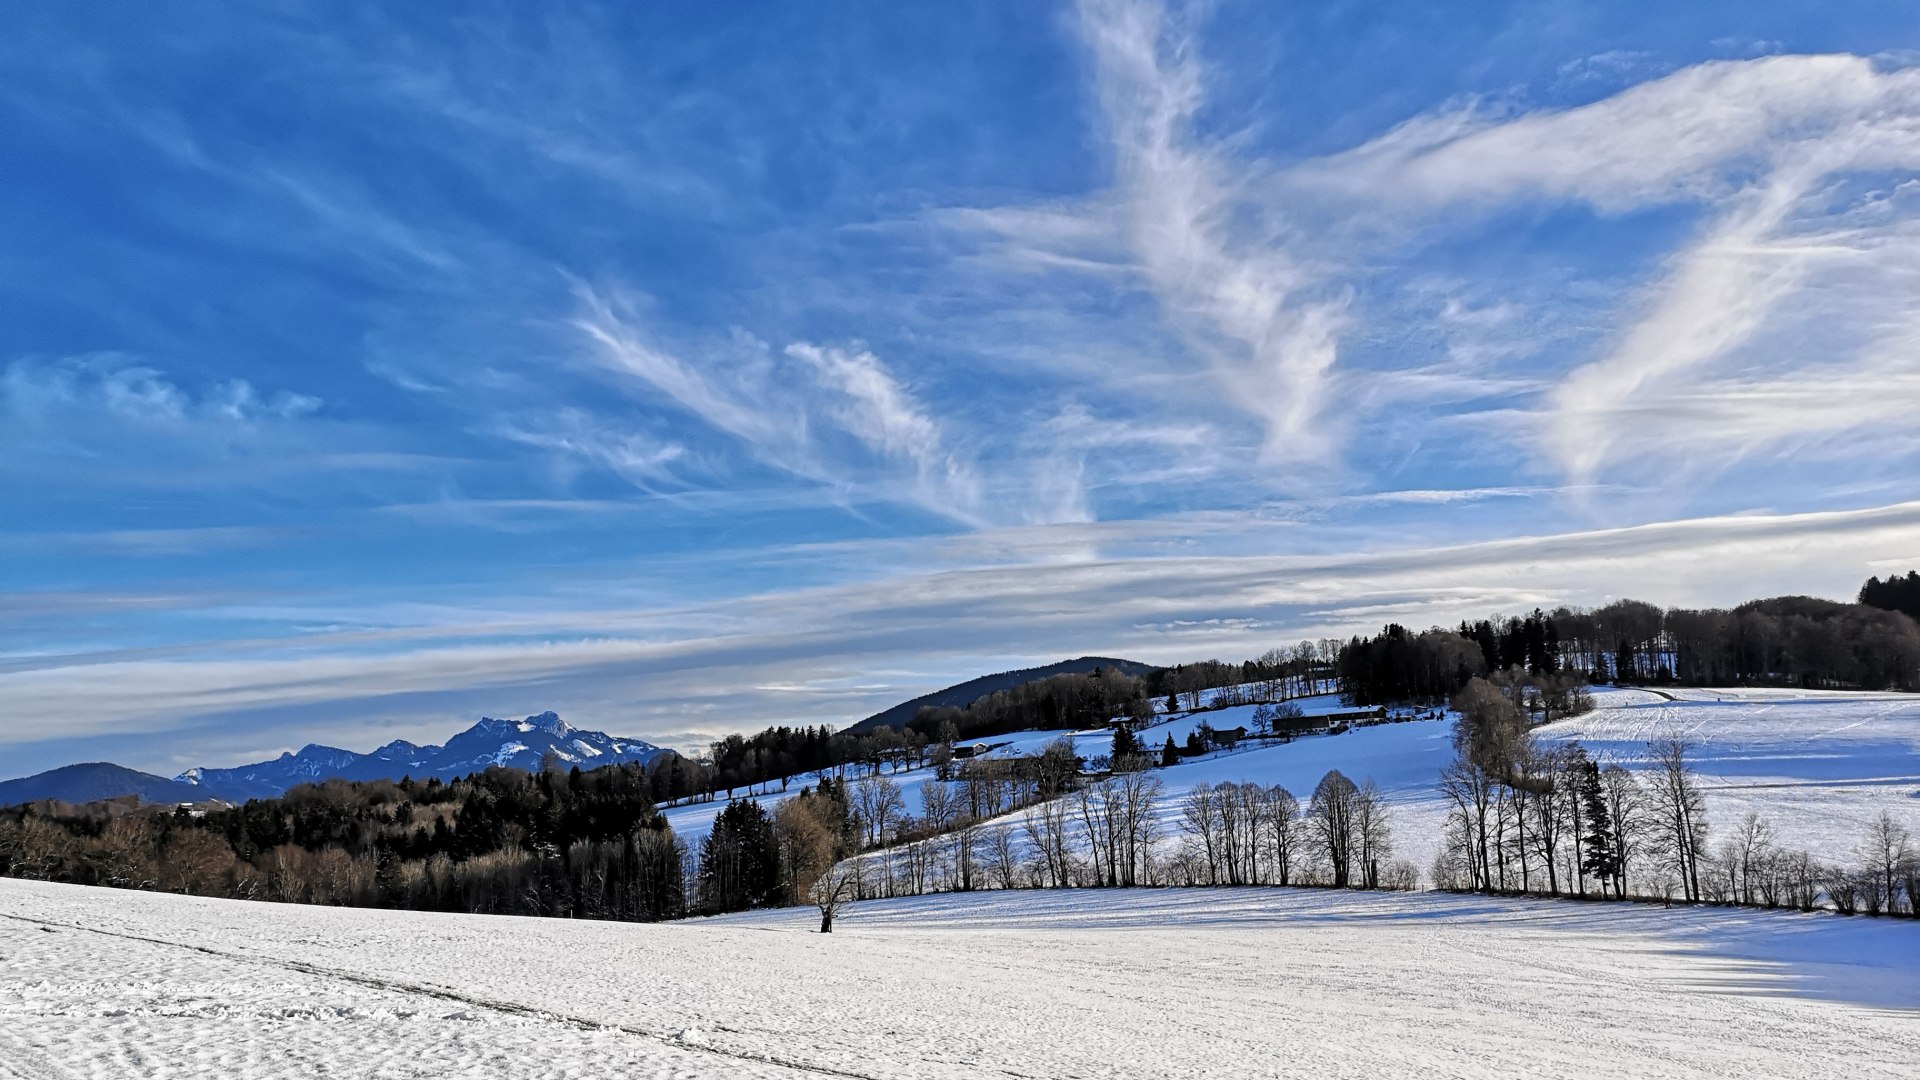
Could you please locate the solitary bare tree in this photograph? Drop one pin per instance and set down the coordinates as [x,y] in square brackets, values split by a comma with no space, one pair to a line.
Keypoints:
[831,889]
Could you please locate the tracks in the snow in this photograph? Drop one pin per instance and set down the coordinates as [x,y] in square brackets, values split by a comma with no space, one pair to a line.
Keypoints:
[439,992]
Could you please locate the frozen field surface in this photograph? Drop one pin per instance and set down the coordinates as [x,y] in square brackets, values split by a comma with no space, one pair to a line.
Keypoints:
[1189,983]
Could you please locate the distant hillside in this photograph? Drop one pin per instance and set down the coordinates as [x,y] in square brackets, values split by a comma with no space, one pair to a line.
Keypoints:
[94,781]
[960,695]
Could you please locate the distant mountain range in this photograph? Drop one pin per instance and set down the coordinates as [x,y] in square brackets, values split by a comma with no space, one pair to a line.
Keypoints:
[518,744]
[961,695]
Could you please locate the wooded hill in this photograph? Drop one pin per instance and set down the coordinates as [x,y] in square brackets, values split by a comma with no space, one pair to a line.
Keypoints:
[961,695]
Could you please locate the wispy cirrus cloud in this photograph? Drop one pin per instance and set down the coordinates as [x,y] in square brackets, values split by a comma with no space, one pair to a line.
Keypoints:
[834,415]
[1777,148]
[1800,169]
[1260,323]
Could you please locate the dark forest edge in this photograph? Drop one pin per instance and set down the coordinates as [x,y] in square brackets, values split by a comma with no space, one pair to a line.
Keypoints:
[595,844]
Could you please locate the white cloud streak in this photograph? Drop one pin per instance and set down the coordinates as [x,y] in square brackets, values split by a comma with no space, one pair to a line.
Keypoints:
[694,666]
[1768,144]
[785,409]
[133,393]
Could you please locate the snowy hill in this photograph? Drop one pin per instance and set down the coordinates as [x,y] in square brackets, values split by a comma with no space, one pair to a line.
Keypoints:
[1173,983]
[960,695]
[517,744]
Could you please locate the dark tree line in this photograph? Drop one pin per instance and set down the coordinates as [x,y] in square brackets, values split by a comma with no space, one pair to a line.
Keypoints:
[1058,701]
[1896,593]
[1786,641]
[782,754]
[1397,665]
[588,845]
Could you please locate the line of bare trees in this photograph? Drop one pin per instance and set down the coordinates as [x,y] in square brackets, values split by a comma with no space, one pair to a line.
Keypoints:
[1528,818]
[1116,829]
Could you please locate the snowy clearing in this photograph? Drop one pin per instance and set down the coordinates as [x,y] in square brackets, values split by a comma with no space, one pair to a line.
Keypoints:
[1213,983]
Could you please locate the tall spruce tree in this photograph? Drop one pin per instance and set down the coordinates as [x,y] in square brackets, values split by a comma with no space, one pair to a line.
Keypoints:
[1599,856]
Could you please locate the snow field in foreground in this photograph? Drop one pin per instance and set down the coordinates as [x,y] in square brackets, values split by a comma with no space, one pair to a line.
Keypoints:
[1119,984]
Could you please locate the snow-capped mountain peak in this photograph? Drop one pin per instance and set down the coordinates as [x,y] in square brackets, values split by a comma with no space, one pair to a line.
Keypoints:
[530,744]
[547,723]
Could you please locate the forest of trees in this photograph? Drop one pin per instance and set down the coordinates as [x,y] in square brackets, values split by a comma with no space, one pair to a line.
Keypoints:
[1058,701]
[1896,593]
[1792,641]
[588,845]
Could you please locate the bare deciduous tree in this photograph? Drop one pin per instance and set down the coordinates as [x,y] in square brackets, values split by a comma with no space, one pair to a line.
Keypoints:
[1680,812]
[1283,830]
[830,890]
[1889,856]
[1331,814]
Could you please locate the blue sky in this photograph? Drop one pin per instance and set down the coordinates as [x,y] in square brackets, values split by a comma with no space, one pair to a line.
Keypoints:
[686,371]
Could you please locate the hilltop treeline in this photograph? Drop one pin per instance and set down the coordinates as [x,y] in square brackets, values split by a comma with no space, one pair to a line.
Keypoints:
[783,753]
[1795,641]
[1896,593]
[587,845]
[1058,701]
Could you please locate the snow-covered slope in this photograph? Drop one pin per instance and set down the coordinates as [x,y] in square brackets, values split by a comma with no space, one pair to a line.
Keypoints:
[520,744]
[1819,766]
[1085,983]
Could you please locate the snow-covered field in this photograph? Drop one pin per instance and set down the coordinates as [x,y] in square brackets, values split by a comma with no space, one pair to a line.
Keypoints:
[1819,765]
[1199,983]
